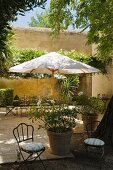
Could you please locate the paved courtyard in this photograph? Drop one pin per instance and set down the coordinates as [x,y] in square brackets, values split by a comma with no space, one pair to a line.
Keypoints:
[8,147]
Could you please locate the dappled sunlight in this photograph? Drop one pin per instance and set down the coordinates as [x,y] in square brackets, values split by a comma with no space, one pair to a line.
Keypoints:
[10,141]
[2,141]
[5,150]
[1,134]
[40,136]
[47,145]
[1,159]
[78,121]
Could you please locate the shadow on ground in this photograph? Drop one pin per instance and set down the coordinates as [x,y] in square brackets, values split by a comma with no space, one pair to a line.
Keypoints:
[59,164]
[80,162]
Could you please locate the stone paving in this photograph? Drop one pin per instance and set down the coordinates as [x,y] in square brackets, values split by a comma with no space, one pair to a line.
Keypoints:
[8,147]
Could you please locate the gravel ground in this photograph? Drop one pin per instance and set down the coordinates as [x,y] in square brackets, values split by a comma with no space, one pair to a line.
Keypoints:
[80,161]
[61,164]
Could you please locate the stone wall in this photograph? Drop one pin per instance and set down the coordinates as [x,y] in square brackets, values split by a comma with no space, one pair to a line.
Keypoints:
[39,38]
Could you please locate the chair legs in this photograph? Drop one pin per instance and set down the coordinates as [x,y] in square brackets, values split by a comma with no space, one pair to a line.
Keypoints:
[38,156]
[86,148]
[101,148]
[32,159]
[102,151]
[42,162]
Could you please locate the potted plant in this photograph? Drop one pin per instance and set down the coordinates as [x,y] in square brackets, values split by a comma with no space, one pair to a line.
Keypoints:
[59,122]
[89,107]
[16,101]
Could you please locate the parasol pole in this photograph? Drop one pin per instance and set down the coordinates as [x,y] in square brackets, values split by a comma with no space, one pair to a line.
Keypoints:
[53,71]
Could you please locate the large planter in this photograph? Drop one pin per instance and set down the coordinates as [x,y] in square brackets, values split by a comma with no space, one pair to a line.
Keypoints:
[59,142]
[88,119]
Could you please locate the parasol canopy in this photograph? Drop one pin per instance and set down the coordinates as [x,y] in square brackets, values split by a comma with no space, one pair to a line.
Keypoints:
[53,63]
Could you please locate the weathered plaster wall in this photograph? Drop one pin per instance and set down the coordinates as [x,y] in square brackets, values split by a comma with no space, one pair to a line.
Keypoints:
[86,84]
[39,38]
[102,83]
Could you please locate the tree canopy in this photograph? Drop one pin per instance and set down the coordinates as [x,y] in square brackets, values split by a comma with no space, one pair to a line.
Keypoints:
[40,20]
[94,15]
[9,9]
[44,20]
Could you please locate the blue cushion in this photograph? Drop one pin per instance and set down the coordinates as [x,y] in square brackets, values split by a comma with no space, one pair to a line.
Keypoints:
[94,142]
[32,147]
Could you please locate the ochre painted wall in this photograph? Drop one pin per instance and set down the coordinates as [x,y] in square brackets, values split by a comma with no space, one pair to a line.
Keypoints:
[32,87]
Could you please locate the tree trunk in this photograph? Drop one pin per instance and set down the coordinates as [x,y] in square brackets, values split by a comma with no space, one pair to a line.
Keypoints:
[105,129]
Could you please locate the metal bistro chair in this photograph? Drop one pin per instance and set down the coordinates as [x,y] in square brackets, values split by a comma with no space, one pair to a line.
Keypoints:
[23,133]
[92,141]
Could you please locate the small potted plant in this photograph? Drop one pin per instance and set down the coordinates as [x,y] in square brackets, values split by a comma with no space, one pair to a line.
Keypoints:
[59,122]
[16,101]
[89,107]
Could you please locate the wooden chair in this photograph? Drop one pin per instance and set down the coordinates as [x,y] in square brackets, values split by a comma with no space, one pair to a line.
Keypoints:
[92,142]
[23,134]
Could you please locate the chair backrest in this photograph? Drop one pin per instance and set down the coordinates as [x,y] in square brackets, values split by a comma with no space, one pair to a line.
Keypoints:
[23,132]
[91,127]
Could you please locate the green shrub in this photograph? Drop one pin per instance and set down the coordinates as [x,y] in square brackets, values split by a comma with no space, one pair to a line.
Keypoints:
[6,97]
[89,105]
[22,55]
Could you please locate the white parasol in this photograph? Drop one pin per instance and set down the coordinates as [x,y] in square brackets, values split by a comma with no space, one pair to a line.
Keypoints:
[53,63]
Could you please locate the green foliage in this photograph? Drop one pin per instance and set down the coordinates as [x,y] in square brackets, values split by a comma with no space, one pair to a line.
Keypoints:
[68,86]
[8,12]
[89,105]
[98,17]
[60,15]
[95,16]
[5,51]
[22,55]
[45,19]
[57,119]
[6,97]
[97,103]
[76,55]
[41,20]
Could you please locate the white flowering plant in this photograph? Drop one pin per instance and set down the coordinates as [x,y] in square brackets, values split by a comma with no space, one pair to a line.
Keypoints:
[54,118]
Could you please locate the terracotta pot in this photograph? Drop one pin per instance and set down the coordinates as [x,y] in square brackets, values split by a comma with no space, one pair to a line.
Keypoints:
[88,119]
[59,142]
